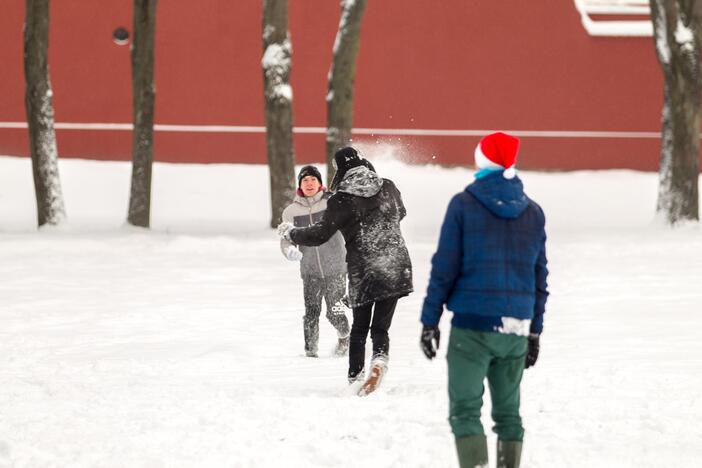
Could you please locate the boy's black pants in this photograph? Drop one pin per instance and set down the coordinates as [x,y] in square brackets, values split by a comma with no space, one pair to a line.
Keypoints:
[377,318]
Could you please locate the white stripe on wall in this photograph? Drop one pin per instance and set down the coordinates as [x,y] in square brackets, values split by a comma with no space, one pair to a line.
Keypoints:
[356,131]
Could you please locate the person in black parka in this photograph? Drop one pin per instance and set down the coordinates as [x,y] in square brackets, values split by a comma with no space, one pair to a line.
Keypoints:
[367,210]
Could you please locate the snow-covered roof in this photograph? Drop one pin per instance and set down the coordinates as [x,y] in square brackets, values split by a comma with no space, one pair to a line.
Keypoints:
[619,21]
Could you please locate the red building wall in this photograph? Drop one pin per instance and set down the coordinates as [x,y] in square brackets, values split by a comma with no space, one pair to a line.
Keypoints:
[452,65]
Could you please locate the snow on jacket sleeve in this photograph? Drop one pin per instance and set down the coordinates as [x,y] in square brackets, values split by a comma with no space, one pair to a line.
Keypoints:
[537,324]
[320,232]
[287,218]
[445,264]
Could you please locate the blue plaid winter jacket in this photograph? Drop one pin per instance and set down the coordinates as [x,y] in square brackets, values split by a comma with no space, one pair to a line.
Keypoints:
[490,264]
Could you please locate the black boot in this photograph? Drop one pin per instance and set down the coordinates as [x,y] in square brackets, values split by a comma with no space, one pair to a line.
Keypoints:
[509,453]
[357,377]
[472,451]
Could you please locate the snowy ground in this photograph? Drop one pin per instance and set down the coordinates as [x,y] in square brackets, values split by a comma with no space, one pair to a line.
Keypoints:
[182,346]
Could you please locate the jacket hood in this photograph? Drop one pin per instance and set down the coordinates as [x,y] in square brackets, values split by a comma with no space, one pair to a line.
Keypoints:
[361,181]
[505,198]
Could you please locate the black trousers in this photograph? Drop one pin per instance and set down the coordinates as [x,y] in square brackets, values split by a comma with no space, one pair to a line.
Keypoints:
[377,318]
[332,289]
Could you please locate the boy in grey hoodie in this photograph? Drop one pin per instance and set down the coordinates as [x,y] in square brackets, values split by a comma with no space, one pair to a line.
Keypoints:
[322,268]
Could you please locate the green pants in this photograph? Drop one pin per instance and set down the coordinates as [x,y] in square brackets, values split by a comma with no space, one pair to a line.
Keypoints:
[473,356]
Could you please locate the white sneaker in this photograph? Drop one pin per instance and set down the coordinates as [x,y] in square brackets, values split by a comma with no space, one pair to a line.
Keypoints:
[379,368]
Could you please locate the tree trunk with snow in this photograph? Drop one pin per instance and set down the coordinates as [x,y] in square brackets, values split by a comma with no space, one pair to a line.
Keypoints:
[276,64]
[40,114]
[341,78]
[143,94]
[678,33]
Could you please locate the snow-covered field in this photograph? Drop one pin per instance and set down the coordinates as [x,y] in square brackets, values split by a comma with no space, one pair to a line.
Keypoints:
[182,346]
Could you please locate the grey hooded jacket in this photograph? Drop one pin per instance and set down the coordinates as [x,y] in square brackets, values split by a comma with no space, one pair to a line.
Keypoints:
[328,259]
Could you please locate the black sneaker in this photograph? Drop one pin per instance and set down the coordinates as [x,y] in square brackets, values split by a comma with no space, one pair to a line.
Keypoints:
[360,377]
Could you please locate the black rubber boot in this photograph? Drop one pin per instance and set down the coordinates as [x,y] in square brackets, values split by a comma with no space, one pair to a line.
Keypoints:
[472,451]
[509,453]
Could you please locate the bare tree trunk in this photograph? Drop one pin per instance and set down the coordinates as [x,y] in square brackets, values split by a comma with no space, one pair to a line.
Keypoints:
[276,64]
[678,32]
[341,79]
[40,114]
[143,101]
[665,165]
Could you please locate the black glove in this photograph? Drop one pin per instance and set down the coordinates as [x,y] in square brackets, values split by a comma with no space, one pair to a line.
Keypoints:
[532,351]
[429,335]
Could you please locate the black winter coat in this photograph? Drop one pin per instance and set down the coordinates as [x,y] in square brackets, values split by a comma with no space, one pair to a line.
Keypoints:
[367,210]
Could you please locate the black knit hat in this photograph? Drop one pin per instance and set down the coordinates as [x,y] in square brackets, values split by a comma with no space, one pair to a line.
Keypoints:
[309,171]
[345,159]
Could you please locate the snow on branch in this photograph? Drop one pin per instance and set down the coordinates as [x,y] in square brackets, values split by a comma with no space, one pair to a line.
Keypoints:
[347,7]
[333,134]
[684,37]
[48,163]
[277,57]
[276,64]
[268,31]
[661,31]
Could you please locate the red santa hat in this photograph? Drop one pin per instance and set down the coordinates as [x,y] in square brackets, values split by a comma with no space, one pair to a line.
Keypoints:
[498,151]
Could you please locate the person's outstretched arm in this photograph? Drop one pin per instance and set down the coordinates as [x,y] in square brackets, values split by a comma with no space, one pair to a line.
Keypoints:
[332,220]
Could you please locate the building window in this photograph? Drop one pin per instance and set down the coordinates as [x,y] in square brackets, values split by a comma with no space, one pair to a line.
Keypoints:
[623,18]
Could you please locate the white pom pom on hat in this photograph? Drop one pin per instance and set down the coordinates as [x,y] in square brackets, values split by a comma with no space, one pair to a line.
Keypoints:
[498,151]
[509,173]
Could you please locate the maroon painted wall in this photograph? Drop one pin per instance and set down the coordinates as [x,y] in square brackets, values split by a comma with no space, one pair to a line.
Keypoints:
[449,65]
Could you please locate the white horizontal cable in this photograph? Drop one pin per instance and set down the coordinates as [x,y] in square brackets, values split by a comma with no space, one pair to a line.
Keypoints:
[356,131]
[519,133]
